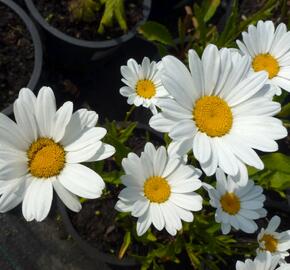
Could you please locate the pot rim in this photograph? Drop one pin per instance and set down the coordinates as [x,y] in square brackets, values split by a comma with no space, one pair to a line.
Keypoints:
[91,251]
[38,52]
[86,43]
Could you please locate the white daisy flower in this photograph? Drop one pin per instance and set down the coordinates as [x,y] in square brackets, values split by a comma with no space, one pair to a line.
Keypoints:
[143,82]
[263,261]
[159,190]
[269,49]
[218,112]
[42,152]
[237,206]
[272,241]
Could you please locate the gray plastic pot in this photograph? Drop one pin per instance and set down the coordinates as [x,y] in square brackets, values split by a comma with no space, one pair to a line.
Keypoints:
[35,76]
[72,52]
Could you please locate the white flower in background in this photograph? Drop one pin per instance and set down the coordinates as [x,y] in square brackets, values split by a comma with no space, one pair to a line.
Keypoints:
[218,112]
[264,261]
[42,152]
[272,241]
[269,50]
[159,190]
[143,82]
[237,206]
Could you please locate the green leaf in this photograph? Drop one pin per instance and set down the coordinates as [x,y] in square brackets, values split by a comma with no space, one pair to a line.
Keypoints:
[280,180]
[277,162]
[125,245]
[114,9]
[127,132]
[285,111]
[211,9]
[154,31]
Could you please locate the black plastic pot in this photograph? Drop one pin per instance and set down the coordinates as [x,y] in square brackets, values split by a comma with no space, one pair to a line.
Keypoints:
[35,76]
[72,52]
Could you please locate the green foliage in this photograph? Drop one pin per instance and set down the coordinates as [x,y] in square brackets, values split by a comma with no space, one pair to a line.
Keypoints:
[196,30]
[117,136]
[87,11]
[154,31]
[114,10]
[276,174]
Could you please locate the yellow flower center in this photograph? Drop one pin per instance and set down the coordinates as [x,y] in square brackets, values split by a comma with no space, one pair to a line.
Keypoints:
[156,189]
[145,88]
[230,203]
[266,62]
[270,242]
[46,158]
[213,116]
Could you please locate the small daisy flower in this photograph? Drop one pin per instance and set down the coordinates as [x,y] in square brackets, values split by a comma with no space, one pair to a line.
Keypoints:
[263,261]
[218,111]
[159,190]
[272,241]
[42,152]
[143,82]
[237,206]
[269,50]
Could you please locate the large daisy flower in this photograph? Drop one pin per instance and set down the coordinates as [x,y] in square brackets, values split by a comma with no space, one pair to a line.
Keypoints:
[42,152]
[143,82]
[159,190]
[264,261]
[237,206]
[272,241]
[269,50]
[218,111]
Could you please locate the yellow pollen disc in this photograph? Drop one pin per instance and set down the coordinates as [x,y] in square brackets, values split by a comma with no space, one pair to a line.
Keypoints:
[156,189]
[230,203]
[213,116]
[266,62]
[45,158]
[145,88]
[270,242]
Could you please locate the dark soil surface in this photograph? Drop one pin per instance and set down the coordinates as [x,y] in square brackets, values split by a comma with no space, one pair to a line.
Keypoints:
[56,12]
[16,55]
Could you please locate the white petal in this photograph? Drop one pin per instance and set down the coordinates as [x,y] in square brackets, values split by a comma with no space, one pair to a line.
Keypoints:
[196,70]
[140,207]
[157,216]
[81,181]
[177,81]
[61,119]
[211,68]
[25,120]
[143,223]
[37,200]
[88,137]
[83,154]
[184,129]
[105,151]
[159,161]
[45,110]
[247,88]
[161,123]
[190,201]
[13,195]
[202,147]
[11,134]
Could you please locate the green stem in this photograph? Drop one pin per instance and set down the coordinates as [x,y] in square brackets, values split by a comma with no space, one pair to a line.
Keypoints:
[128,114]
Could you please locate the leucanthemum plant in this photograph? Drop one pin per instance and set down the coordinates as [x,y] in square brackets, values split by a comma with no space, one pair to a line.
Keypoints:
[263,261]
[43,150]
[219,111]
[269,49]
[160,190]
[236,206]
[143,83]
[271,240]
